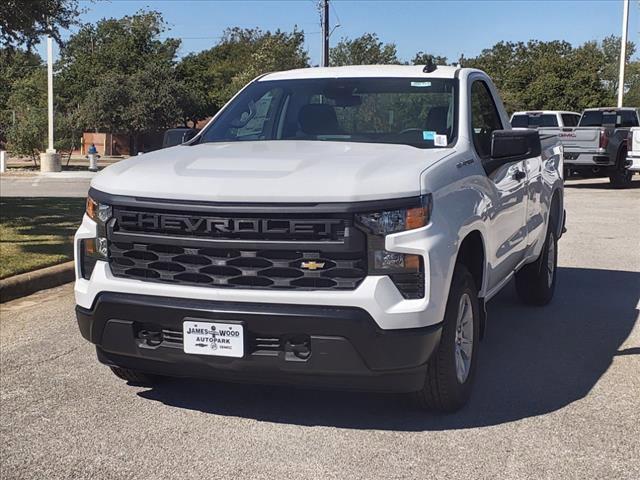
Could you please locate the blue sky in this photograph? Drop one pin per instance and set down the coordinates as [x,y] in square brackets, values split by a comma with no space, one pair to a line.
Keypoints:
[448,28]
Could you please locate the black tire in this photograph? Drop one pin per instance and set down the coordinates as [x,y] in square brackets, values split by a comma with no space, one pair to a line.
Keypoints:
[621,176]
[443,390]
[535,283]
[134,377]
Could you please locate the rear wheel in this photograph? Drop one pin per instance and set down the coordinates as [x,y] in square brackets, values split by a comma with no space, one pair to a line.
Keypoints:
[621,176]
[451,369]
[134,376]
[536,282]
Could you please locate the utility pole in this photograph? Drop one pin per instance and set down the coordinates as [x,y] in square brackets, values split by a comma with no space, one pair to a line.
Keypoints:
[325,33]
[623,50]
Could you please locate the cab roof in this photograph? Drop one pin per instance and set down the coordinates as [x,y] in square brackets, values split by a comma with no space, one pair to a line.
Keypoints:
[544,112]
[364,71]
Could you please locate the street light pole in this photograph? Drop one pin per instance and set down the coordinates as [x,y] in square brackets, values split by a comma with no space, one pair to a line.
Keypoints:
[50,160]
[623,50]
[325,33]
[50,148]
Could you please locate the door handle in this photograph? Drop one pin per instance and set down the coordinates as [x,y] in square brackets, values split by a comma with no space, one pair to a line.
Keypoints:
[519,175]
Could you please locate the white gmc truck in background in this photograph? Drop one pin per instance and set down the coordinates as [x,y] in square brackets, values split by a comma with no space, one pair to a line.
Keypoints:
[331,227]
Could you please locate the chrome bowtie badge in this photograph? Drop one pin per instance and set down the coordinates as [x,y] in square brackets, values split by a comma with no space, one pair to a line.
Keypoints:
[312,265]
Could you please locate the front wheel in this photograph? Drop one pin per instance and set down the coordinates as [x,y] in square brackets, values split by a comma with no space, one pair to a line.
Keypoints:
[452,367]
[536,282]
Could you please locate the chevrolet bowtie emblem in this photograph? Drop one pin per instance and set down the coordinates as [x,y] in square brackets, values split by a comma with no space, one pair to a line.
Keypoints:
[312,265]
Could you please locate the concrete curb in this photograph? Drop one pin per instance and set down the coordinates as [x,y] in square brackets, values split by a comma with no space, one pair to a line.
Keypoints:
[31,282]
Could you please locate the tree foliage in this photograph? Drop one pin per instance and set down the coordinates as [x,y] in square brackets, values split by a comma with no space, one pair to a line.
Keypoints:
[23,22]
[243,54]
[364,50]
[422,58]
[26,134]
[120,77]
[556,76]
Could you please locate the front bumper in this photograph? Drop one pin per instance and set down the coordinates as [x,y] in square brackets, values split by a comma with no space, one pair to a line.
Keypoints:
[346,347]
[633,160]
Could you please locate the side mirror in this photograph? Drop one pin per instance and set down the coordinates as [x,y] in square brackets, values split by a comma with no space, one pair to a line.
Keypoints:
[509,146]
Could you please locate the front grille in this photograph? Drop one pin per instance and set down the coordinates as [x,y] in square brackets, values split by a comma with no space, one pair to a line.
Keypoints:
[225,267]
[263,251]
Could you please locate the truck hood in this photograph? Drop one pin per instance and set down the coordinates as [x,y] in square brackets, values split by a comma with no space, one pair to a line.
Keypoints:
[272,171]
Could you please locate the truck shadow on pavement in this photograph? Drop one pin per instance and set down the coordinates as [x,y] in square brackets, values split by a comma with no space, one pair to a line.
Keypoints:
[533,361]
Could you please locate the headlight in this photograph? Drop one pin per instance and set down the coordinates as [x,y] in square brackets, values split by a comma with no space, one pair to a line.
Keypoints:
[98,212]
[398,220]
[93,249]
[405,270]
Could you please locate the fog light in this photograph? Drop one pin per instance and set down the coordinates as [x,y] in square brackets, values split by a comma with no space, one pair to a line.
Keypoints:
[386,261]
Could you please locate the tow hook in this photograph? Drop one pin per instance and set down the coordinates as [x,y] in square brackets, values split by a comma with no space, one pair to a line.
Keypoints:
[153,339]
[297,349]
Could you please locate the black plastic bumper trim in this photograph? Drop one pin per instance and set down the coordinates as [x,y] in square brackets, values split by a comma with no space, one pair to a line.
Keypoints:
[348,349]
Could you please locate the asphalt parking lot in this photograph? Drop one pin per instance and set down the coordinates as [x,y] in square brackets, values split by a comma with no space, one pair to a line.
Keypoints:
[557,395]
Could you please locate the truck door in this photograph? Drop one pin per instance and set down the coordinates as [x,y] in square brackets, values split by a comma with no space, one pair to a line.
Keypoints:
[507,232]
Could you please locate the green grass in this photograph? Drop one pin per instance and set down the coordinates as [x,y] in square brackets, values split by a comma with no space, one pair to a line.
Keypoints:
[37,232]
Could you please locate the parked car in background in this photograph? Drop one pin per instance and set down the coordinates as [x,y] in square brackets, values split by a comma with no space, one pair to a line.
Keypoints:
[330,227]
[178,136]
[598,145]
[633,155]
[544,119]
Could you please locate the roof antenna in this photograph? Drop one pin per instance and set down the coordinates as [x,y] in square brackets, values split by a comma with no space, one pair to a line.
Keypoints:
[430,66]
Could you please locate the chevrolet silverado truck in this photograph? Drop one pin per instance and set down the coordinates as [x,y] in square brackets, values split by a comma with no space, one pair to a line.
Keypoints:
[633,154]
[330,227]
[598,145]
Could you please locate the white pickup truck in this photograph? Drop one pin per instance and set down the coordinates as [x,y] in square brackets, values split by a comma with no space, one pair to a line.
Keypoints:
[544,119]
[330,227]
[598,145]
[633,155]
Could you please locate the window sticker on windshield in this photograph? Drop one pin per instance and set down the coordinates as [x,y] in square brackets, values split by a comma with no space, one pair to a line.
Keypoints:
[420,84]
[428,135]
[440,141]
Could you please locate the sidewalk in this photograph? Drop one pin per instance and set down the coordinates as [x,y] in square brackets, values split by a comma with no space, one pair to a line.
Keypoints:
[35,184]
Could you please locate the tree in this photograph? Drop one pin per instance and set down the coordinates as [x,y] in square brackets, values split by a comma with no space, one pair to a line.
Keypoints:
[611,69]
[211,77]
[15,65]
[422,58]
[364,50]
[22,23]
[545,75]
[28,100]
[120,77]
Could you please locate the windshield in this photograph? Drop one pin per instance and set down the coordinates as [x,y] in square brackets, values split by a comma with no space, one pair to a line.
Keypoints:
[619,118]
[409,111]
[534,120]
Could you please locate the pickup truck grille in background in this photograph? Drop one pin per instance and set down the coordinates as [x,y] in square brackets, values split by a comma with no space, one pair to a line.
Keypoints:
[269,252]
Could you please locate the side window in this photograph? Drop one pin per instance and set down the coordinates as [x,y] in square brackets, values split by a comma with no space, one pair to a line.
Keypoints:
[520,121]
[484,118]
[628,118]
[569,120]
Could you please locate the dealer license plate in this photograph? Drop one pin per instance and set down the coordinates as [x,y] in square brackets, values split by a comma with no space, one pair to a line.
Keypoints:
[213,338]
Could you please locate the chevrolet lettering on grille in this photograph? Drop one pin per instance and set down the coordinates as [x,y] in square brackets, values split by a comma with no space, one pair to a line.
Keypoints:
[220,226]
